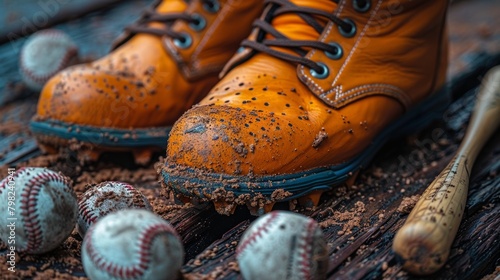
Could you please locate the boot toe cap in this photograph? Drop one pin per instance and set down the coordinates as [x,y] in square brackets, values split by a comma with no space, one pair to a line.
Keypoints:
[236,141]
[86,96]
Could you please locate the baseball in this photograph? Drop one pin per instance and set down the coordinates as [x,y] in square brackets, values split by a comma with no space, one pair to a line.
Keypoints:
[106,198]
[132,244]
[44,54]
[283,245]
[40,209]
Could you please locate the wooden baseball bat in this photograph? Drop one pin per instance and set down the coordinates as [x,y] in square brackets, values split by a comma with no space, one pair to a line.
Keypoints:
[425,239]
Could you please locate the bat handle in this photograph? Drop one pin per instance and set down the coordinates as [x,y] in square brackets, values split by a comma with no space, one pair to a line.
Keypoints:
[425,239]
[485,117]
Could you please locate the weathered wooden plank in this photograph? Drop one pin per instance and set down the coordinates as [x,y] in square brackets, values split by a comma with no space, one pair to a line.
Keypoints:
[22,18]
[93,34]
[359,249]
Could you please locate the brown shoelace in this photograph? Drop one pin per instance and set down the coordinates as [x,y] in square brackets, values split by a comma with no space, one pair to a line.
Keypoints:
[151,15]
[280,7]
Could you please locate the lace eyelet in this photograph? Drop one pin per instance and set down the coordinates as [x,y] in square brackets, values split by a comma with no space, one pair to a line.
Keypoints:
[336,55]
[362,7]
[211,6]
[199,23]
[184,42]
[348,33]
[240,49]
[320,75]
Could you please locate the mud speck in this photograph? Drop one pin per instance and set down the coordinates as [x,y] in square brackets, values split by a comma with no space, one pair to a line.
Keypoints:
[408,203]
[322,136]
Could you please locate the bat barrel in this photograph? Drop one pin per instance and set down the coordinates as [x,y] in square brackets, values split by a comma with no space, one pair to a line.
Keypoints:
[425,239]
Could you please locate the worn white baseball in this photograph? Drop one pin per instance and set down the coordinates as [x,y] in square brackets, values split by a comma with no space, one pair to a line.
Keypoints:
[105,198]
[44,54]
[132,244]
[39,209]
[283,245]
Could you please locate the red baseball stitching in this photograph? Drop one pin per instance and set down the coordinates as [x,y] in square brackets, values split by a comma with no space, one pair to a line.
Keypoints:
[89,216]
[28,206]
[86,213]
[3,183]
[146,238]
[134,193]
[73,51]
[257,233]
[306,255]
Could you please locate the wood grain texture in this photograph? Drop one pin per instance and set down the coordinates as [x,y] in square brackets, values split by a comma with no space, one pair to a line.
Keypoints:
[402,169]
[425,239]
[93,34]
[23,18]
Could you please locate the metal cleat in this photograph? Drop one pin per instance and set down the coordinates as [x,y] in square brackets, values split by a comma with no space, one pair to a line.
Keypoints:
[224,208]
[142,156]
[261,209]
[89,155]
[350,182]
[310,200]
[182,199]
[268,207]
[48,149]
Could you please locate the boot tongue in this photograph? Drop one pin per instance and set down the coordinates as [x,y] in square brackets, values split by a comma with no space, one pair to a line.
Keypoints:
[168,7]
[173,6]
[295,28]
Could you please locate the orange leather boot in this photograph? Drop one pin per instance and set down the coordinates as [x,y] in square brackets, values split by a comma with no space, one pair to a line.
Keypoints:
[162,65]
[320,87]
